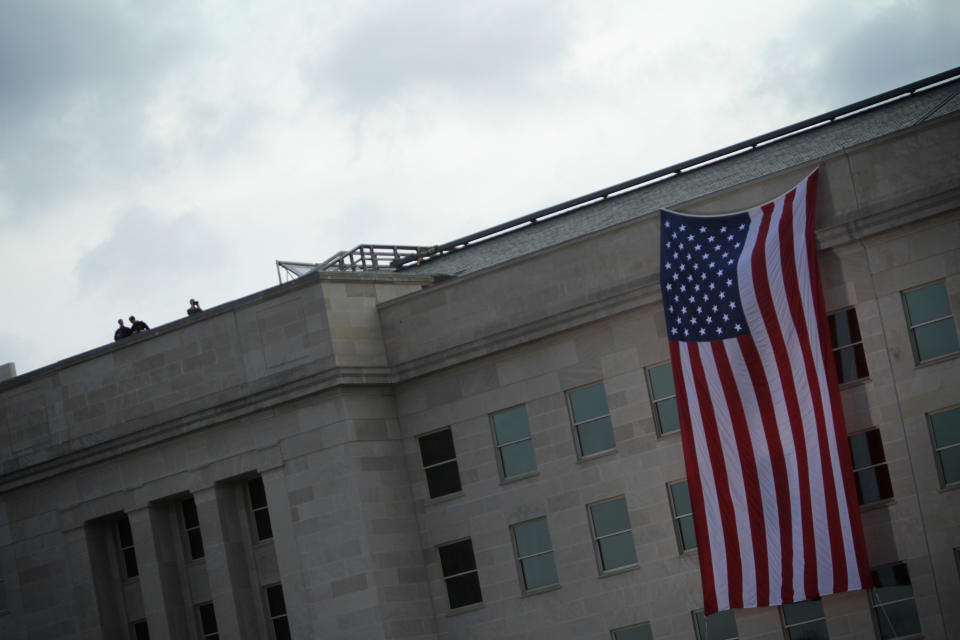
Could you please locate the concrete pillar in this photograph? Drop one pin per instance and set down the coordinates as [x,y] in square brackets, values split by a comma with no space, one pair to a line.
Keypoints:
[287,552]
[101,543]
[228,568]
[145,524]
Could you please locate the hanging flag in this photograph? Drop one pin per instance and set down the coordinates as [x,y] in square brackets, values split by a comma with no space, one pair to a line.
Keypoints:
[764,441]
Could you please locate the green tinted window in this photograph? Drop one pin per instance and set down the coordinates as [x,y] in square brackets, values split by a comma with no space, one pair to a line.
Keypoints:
[931,321]
[512,432]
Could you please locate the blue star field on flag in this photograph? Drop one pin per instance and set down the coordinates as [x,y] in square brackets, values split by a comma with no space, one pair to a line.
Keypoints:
[698,270]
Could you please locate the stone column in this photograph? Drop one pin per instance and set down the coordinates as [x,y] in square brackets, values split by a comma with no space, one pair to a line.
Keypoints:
[287,552]
[226,560]
[158,607]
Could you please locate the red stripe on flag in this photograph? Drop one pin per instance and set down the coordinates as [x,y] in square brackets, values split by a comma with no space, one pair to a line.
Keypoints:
[761,263]
[734,563]
[693,483]
[843,448]
[777,462]
[807,345]
[748,465]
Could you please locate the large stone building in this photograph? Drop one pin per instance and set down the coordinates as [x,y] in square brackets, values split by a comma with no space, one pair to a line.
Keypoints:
[481,442]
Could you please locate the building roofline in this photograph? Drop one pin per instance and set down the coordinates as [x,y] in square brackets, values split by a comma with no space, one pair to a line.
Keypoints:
[672,171]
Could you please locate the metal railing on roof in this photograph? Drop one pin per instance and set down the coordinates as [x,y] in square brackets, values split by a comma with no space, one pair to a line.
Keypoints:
[677,169]
[363,257]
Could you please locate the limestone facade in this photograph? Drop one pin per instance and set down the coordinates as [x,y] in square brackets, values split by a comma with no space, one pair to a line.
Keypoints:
[304,406]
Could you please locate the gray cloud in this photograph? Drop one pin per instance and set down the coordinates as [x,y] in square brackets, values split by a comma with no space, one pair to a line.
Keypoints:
[75,77]
[845,54]
[474,47]
[145,252]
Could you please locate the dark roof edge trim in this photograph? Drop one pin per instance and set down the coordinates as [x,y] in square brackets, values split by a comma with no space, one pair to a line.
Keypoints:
[687,165]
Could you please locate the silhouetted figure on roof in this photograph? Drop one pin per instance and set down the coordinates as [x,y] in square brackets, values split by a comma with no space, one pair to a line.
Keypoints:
[138,326]
[194,307]
[123,331]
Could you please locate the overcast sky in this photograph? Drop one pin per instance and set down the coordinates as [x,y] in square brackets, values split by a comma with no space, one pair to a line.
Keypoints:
[151,152]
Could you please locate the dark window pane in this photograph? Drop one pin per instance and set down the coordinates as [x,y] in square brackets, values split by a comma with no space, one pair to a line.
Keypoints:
[281,629]
[634,633]
[518,458]
[596,436]
[851,363]
[688,533]
[936,339]
[844,328]
[680,493]
[589,403]
[532,537]
[457,558]
[189,508]
[124,533]
[140,630]
[443,479]
[661,381]
[946,427]
[539,571]
[866,448]
[668,415]
[618,550]
[437,447]
[264,530]
[511,425]
[130,563]
[927,303]
[208,620]
[898,619]
[873,484]
[797,612]
[258,497]
[275,601]
[464,590]
[950,465]
[196,543]
[719,626]
[809,631]
[610,517]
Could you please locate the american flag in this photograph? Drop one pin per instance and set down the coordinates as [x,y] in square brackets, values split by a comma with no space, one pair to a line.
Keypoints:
[764,441]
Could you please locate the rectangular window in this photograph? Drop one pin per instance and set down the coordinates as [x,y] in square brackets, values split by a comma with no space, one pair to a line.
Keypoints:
[460,573]
[932,329]
[591,419]
[207,620]
[534,553]
[870,467]
[511,430]
[128,556]
[848,356]
[719,626]
[440,463]
[682,515]
[945,429]
[805,620]
[277,608]
[664,398]
[258,506]
[139,630]
[634,632]
[612,534]
[893,603]
[191,528]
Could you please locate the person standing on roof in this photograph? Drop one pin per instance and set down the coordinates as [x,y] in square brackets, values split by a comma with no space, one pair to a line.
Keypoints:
[122,331]
[194,307]
[138,326]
